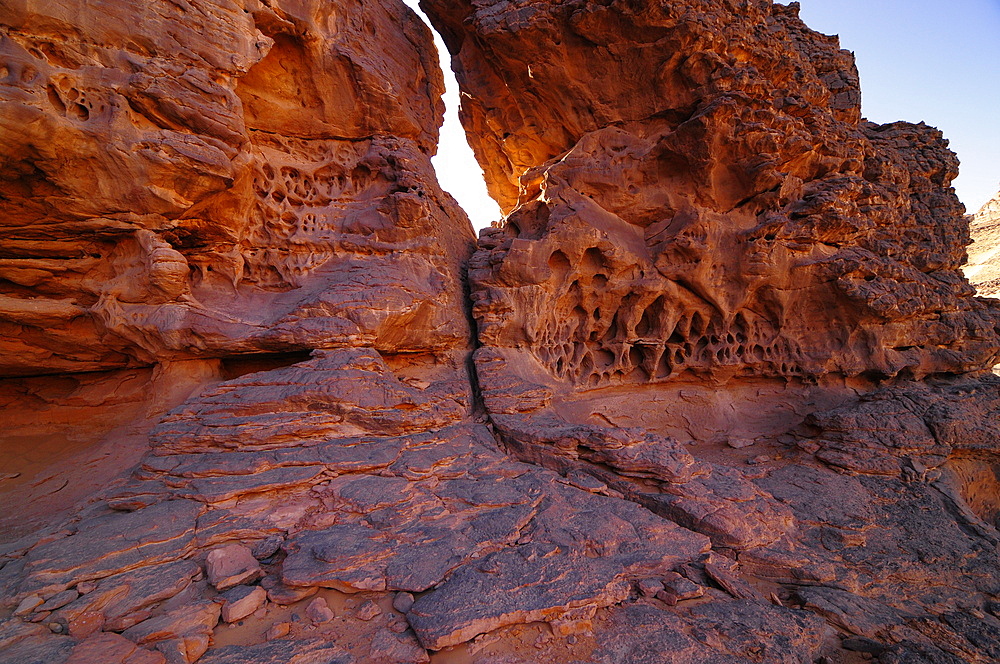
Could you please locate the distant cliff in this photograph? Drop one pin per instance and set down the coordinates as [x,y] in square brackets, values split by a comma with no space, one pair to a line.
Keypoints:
[983,269]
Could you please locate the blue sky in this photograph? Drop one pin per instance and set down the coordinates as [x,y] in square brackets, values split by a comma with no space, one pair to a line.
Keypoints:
[920,60]
[933,61]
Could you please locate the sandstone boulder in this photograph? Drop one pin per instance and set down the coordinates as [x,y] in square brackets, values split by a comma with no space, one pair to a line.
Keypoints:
[230,566]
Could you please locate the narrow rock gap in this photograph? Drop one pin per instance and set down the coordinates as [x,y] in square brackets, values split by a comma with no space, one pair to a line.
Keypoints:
[457,170]
[456,167]
[446,172]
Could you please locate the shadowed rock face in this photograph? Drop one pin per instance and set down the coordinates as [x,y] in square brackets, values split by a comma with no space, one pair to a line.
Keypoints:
[729,401]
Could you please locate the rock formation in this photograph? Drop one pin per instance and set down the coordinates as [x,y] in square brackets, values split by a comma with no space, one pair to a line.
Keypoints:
[723,217]
[982,269]
[185,181]
[715,390]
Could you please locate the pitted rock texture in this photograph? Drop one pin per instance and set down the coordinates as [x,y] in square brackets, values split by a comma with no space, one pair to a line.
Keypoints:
[215,178]
[982,269]
[730,401]
[691,190]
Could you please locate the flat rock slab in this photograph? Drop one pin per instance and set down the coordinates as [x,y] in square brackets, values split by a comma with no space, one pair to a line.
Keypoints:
[282,651]
[110,648]
[22,643]
[348,557]
[114,542]
[530,583]
[642,634]
[197,619]
[337,394]
[821,497]
[762,631]
[217,489]
[125,599]
[582,551]
[718,632]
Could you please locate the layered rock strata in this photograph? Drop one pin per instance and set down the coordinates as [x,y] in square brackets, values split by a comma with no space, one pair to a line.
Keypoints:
[981,269]
[194,192]
[729,401]
[204,181]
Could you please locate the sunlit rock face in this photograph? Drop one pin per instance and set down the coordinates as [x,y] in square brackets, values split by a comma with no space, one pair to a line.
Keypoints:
[213,180]
[722,294]
[983,269]
[691,189]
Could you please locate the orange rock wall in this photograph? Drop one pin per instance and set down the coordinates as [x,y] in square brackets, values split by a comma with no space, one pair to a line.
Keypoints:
[209,181]
[691,188]
[982,269]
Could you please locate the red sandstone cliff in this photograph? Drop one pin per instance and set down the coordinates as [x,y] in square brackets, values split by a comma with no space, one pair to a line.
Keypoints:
[728,398]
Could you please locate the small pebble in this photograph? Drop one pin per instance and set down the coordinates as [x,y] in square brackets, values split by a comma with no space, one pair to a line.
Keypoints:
[402,602]
[277,631]
[368,610]
[319,612]
[759,459]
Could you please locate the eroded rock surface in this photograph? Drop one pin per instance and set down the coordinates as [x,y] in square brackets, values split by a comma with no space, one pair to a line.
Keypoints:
[724,284]
[729,215]
[729,402]
[982,269]
[224,178]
